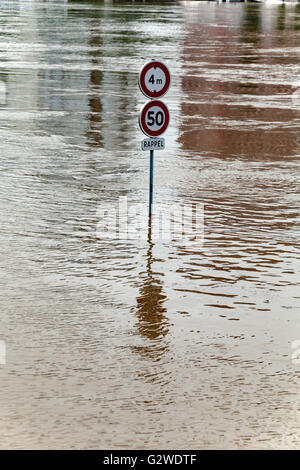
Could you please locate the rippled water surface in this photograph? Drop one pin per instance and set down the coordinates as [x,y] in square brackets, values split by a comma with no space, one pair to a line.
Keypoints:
[115,343]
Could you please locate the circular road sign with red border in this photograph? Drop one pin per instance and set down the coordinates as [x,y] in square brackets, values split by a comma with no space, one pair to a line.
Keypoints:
[154,118]
[154,79]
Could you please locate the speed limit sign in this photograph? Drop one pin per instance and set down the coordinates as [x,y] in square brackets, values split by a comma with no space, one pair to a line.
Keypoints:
[154,118]
[154,79]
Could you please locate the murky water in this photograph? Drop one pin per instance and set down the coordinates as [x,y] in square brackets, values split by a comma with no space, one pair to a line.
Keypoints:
[144,343]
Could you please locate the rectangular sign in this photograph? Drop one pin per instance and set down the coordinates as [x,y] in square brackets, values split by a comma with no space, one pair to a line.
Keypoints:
[153,144]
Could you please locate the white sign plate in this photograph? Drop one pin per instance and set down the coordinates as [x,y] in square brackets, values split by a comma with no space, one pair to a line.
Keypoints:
[153,144]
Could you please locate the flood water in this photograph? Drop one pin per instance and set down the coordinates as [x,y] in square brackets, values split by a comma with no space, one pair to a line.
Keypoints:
[115,343]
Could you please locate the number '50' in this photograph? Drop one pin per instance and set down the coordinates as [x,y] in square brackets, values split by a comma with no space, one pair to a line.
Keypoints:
[155,118]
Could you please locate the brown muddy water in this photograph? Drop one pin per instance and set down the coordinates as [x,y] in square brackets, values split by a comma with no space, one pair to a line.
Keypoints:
[115,343]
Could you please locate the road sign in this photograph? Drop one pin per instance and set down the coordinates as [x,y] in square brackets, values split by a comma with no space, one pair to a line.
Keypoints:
[153,144]
[154,79]
[154,118]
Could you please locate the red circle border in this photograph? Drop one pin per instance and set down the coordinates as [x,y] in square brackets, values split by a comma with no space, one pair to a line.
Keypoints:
[143,88]
[142,118]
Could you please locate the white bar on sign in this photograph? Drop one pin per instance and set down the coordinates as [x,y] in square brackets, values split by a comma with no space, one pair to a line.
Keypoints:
[2,92]
[2,352]
[153,144]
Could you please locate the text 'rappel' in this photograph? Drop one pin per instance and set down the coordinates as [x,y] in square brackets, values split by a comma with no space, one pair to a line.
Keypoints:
[153,144]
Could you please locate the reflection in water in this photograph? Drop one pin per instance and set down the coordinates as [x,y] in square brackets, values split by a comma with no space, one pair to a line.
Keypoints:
[297,17]
[252,26]
[212,325]
[281,18]
[152,322]
[94,133]
[239,115]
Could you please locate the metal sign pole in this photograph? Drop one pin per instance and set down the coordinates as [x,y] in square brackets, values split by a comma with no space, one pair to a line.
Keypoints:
[151,182]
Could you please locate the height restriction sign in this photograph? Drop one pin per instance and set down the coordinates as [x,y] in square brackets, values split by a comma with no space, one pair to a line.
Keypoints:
[154,79]
[154,118]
